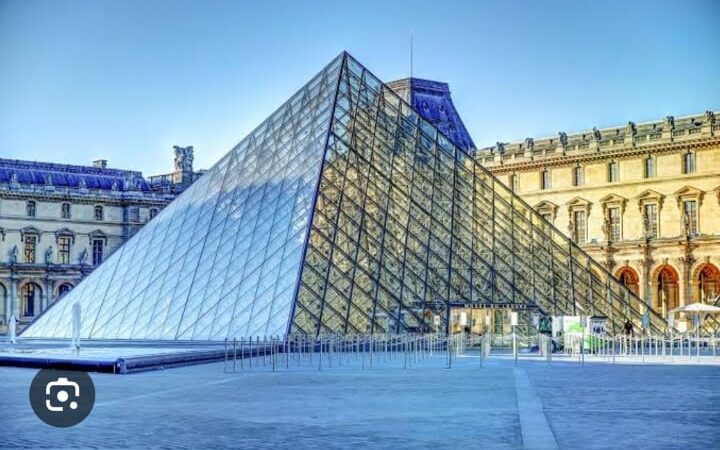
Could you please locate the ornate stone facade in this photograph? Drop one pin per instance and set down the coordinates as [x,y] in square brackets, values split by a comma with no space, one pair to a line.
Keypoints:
[58,222]
[644,199]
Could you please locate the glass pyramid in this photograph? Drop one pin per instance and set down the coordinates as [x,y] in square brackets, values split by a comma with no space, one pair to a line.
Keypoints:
[344,212]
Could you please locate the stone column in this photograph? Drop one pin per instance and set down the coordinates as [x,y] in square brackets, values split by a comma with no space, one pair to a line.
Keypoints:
[47,295]
[14,298]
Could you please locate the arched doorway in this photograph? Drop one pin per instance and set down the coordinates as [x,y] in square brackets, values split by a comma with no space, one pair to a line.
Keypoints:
[706,283]
[29,299]
[630,279]
[666,292]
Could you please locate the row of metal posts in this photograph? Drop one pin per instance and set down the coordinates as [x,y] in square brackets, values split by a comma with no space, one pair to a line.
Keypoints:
[334,350]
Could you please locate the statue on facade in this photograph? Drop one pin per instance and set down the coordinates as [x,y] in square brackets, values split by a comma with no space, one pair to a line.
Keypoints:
[13,254]
[82,184]
[500,148]
[669,123]
[530,143]
[49,255]
[606,229]
[114,186]
[710,117]
[686,225]
[596,134]
[630,129]
[183,158]
[14,180]
[48,180]
[563,138]
[83,257]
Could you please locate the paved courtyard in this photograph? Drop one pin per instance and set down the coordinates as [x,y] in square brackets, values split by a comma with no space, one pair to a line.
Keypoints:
[563,405]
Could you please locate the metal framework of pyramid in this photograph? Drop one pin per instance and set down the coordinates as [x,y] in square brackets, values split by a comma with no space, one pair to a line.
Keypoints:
[343,212]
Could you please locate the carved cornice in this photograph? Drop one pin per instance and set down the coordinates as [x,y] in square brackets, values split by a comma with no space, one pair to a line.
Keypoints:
[535,162]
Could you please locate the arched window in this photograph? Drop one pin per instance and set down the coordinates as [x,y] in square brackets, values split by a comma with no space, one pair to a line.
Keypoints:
[65,210]
[707,281]
[29,296]
[99,213]
[64,289]
[30,208]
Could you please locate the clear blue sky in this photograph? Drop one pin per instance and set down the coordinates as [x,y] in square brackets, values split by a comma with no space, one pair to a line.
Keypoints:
[126,80]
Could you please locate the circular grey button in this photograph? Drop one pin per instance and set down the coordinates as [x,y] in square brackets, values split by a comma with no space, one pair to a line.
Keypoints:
[62,398]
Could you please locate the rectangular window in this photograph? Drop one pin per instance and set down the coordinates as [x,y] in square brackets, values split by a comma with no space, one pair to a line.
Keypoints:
[514,183]
[545,180]
[547,216]
[691,224]
[613,172]
[649,167]
[97,254]
[30,248]
[64,250]
[650,217]
[615,223]
[578,176]
[689,162]
[579,227]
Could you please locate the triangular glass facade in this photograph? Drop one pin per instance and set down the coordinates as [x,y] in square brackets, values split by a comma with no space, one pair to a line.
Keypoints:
[404,225]
[222,259]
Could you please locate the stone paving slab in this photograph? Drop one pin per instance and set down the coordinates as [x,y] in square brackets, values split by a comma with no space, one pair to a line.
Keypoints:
[425,406]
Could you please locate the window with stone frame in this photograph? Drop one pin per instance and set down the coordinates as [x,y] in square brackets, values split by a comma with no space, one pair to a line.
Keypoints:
[98,251]
[613,172]
[649,167]
[614,218]
[31,208]
[30,248]
[545,179]
[650,218]
[514,182]
[578,176]
[688,162]
[579,226]
[690,216]
[64,244]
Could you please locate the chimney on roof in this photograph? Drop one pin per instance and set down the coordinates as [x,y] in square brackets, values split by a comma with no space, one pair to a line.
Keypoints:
[100,163]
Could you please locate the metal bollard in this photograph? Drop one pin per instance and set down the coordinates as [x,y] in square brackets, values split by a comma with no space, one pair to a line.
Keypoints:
[234,353]
[226,356]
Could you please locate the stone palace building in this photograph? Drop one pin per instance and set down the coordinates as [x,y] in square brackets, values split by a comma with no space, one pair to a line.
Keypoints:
[58,222]
[643,199]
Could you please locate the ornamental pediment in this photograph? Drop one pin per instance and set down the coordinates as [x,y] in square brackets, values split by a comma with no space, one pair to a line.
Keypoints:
[689,193]
[650,196]
[579,203]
